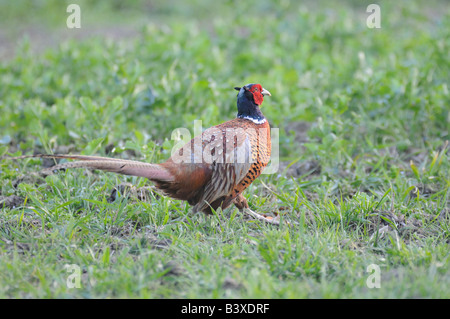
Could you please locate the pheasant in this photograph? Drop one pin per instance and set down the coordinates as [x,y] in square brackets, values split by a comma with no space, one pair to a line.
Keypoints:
[210,171]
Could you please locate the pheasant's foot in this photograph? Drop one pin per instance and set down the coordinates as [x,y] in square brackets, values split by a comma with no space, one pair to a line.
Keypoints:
[268,219]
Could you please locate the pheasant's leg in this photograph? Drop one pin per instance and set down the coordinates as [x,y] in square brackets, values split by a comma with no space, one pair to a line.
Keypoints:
[241,203]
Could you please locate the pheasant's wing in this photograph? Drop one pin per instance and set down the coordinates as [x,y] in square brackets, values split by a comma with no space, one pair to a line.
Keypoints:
[231,162]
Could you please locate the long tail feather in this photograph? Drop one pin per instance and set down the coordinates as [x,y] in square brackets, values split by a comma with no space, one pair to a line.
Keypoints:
[126,167]
[70,156]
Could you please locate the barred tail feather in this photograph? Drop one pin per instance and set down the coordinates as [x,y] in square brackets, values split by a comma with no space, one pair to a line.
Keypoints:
[75,157]
[127,167]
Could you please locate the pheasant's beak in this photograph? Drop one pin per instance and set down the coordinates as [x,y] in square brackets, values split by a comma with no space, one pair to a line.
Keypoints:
[265,92]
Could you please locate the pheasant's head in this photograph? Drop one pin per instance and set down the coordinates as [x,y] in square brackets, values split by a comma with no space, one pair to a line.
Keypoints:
[249,100]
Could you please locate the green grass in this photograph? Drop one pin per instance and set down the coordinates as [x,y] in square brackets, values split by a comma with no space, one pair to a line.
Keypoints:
[364,176]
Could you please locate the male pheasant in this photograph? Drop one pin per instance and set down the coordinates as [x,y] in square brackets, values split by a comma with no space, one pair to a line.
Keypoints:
[210,171]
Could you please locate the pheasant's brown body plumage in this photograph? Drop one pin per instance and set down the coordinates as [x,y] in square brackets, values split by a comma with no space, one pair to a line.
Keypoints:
[219,181]
[210,171]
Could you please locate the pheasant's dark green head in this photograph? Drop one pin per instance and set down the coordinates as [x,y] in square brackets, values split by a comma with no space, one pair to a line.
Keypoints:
[249,100]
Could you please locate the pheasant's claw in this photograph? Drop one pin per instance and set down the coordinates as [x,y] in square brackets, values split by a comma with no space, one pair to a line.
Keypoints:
[267,219]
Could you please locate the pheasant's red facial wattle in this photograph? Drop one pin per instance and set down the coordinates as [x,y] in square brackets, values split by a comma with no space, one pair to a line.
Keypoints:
[256,90]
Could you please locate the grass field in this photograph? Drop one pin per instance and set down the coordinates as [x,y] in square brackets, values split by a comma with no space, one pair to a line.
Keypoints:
[363,117]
